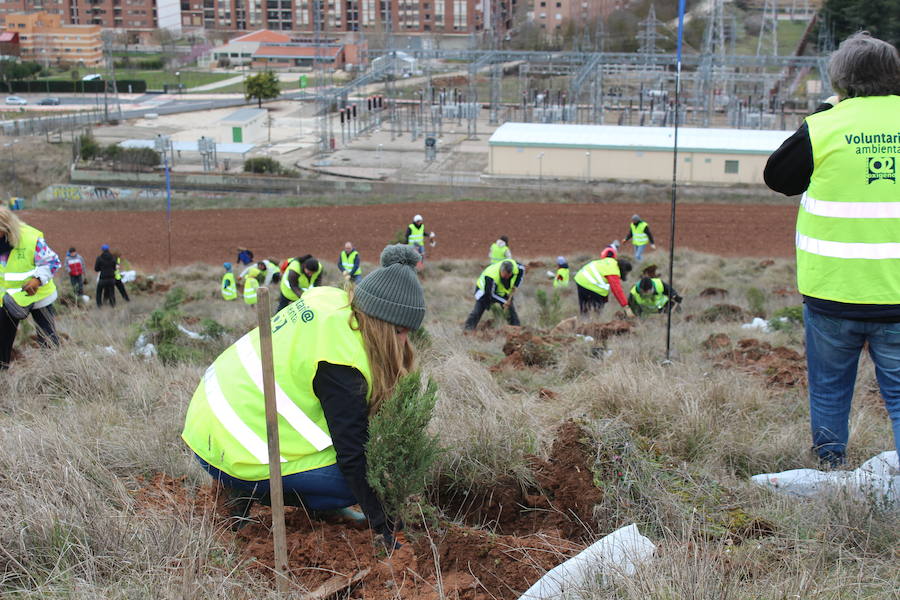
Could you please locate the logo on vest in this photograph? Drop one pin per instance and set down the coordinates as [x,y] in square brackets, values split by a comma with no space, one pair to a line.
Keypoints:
[307,315]
[882,167]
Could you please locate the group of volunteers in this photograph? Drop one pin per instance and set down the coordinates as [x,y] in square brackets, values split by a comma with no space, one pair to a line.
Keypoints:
[339,353]
[594,282]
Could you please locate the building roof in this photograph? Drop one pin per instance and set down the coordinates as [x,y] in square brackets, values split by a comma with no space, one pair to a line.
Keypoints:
[244,115]
[8,36]
[262,36]
[296,52]
[612,137]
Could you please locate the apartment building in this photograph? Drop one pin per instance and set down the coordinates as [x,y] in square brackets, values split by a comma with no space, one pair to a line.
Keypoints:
[119,14]
[550,15]
[44,38]
[397,16]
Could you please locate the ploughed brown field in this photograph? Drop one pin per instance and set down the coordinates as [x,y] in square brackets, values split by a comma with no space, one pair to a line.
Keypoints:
[464,229]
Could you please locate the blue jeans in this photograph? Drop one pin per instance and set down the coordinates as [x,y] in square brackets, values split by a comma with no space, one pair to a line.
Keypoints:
[320,489]
[639,252]
[833,347]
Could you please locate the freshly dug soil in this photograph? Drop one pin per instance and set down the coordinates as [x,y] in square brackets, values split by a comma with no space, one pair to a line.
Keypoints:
[531,532]
[780,366]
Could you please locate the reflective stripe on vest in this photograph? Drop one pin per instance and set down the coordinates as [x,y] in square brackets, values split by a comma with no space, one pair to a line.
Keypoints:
[638,237]
[250,286]
[20,268]
[225,423]
[416,234]
[229,291]
[493,271]
[348,261]
[499,253]
[656,300]
[848,224]
[592,276]
[562,278]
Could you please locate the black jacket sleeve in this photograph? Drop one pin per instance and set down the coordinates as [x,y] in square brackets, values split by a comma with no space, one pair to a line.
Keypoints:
[342,392]
[518,280]
[293,278]
[649,235]
[790,168]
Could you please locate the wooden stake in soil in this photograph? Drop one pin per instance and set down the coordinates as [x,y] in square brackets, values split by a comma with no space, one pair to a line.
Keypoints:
[276,493]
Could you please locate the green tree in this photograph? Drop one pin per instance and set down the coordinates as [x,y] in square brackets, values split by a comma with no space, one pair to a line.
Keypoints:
[262,86]
[881,18]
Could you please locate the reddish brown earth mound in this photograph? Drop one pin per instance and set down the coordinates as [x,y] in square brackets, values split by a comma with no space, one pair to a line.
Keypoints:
[533,532]
[779,365]
[561,505]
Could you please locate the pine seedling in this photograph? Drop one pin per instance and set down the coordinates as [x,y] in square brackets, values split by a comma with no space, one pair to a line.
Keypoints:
[400,452]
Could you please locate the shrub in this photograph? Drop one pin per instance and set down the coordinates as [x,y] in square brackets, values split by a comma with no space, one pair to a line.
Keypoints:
[262,164]
[785,319]
[88,148]
[224,62]
[756,301]
[549,307]
[400,452]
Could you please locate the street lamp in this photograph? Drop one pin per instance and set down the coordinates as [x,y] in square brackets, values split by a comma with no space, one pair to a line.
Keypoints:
[587,160]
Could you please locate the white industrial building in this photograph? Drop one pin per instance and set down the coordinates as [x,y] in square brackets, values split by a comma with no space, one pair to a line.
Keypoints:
[609,152]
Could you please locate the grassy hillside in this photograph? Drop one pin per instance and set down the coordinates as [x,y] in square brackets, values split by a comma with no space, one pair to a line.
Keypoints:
[86,430]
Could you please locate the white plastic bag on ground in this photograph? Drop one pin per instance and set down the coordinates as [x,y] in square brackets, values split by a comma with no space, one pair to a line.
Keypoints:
[128,276]
[619,553]
[877,478]
[143,347]
[757,323]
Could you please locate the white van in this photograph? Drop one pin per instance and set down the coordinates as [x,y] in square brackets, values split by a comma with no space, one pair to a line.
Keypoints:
[93,77]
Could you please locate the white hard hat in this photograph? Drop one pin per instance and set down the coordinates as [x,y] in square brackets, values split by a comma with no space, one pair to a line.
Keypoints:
[417,218]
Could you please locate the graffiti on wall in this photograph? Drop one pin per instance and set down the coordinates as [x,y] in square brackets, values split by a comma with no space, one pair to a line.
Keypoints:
[88,193]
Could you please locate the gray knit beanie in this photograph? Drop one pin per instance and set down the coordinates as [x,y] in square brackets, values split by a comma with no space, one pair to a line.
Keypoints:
[393,292]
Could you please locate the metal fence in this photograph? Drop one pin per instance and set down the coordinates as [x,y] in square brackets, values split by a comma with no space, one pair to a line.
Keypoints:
[55,124]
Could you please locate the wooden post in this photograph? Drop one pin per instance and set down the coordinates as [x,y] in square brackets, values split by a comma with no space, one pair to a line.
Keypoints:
[276,493]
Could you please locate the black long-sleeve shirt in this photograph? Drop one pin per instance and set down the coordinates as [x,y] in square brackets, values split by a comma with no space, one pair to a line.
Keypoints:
[106,265]
[788,171]
[342,392]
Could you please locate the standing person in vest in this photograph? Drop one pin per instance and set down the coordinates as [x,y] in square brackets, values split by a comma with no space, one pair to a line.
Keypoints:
[651,295]
[848,235]
[27,265]
[338,356]
[229,286]
[75,267]
[640,236]
[120,285]
[415,237]
[596,279]
[107,267]
[348,263]
[500,250]
[497,284]
[301,274]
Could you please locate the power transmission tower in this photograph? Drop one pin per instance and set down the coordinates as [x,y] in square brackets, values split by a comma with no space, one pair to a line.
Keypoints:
[109,86]
[649,33]
[767,43]
[712,54]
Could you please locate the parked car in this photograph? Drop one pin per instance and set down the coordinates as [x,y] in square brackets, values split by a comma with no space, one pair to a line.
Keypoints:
[92,77]
[49,102]
[16,100]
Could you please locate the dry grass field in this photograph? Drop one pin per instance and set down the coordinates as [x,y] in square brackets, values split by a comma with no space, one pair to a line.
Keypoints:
[100,498]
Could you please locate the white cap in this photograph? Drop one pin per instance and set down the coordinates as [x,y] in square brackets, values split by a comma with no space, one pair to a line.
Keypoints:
[417,218]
